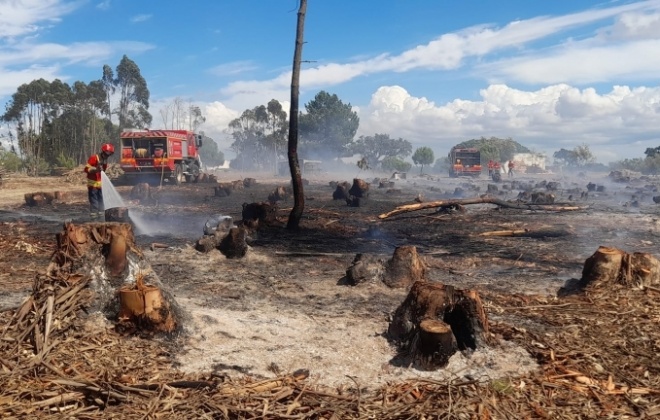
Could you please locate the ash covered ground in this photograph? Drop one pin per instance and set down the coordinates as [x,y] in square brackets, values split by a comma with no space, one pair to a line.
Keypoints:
[286,306]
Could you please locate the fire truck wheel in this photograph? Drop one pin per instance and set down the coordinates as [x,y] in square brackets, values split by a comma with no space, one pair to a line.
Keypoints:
[178,175]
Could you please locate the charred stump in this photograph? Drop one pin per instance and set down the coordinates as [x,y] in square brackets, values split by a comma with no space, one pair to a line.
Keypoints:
[279,194]
[107,254]
[403,269]
[117,214]
[249,182]
[359,189]
[609,266]
[43,198]
[258,215]
[436,320]
[141,192]
[234,244]
[341,191]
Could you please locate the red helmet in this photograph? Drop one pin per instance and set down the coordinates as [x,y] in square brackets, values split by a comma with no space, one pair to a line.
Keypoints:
[108,149]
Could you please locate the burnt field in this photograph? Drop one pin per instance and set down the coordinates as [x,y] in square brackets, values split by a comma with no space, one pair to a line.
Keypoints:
[252,323]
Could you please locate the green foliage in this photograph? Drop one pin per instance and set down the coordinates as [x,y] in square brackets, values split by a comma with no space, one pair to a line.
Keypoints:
[210,154]
[64,161]
[649,165]
[10,161]
[652,151]
[379,146]
[423,156]
[37,166]
[259,136]
[495,148]
[133,95]
[579,156]
[391,163]
[328,127]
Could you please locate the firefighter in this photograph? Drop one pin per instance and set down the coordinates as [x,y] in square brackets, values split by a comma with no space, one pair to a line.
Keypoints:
[511,166]
[96,164]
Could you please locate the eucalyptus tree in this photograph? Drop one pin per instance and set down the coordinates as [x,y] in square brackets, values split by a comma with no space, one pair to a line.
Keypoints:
[258,133]
[133,111]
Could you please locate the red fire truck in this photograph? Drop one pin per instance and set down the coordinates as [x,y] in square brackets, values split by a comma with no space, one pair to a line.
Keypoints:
[169,154]
[464,162]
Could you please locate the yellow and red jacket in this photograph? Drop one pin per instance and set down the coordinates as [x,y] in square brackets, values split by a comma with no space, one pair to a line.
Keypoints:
[94,177]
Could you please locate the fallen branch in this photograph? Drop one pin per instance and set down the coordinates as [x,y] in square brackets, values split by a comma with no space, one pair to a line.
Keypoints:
[528,233]
[478,200]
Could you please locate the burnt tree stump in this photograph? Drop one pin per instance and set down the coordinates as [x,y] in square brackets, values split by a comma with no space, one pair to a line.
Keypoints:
[359,189]
[403,269]
[234,244]
[117,214]
[43,198]
[106,252]
[609,266]
[436,320]
[257,215]
[141,192]
[341,191]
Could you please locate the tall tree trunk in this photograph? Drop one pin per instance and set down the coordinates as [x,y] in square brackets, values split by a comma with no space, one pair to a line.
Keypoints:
[294,166]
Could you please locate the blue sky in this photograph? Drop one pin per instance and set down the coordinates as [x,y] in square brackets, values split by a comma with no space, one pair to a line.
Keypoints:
[547,74]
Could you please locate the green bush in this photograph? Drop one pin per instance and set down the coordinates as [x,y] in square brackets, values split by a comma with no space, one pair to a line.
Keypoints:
[10,161]
[65,161]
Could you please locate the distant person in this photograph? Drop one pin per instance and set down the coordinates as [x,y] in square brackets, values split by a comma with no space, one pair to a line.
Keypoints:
[511,166]
[96,164]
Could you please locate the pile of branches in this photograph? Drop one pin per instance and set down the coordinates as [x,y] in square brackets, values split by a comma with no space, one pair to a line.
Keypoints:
[597,354]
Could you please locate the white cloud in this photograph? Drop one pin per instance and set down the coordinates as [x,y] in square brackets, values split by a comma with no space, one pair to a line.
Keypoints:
[229,69]
[104,5]
[11,79]
[140,18]
[546,119]
[22,17]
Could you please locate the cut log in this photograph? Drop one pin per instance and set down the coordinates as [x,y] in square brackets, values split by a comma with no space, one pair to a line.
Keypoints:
[479,200]
[144,306]
[417,325]
[610,266]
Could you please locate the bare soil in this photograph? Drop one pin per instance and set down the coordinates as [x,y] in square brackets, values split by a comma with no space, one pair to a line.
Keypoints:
[287,306]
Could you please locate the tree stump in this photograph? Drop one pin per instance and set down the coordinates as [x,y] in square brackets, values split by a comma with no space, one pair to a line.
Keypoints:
[360,188]
[611,266]
[257,215]
[117,214]
[234,245]
[404,268]
[249,182]
[421,325]
[43,198]
[341,191]
[141,192]
[279,194]
[365,269]
[107,253]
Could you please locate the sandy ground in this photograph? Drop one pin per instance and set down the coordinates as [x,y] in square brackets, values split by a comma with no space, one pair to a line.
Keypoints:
[284,306]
